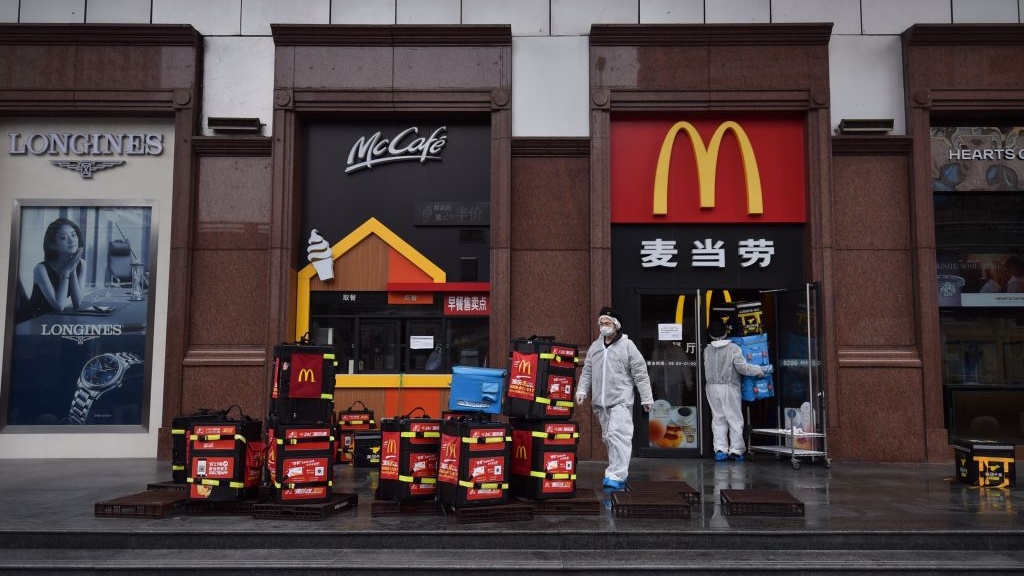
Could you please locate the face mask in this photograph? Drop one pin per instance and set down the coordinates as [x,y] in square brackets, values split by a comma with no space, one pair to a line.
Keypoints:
[606,330]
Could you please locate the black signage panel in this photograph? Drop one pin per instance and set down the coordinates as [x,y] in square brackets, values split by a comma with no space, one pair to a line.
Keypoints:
[730,256]
[453,213]
[424,178]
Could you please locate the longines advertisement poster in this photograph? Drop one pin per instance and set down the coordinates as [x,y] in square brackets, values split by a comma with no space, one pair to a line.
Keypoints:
[80,294]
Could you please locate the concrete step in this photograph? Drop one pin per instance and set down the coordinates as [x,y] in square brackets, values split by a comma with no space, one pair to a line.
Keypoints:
[498,562]
[512,536]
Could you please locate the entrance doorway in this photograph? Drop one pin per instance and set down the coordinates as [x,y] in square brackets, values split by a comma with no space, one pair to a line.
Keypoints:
[672,335]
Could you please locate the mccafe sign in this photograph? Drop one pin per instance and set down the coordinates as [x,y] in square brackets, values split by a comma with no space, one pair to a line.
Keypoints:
[407,145]
[708,170]
[85,153]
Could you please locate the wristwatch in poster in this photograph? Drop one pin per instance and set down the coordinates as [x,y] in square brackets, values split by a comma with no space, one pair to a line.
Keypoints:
[99,376]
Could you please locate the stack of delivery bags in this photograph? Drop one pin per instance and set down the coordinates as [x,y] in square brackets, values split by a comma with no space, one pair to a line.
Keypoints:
[484,462]
[747,330]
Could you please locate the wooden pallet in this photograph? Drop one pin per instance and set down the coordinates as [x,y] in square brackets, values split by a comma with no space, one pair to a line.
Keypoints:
[649,505]
[584,502]
[689,493]
[501,513]
[760,503]
[148,504]
[339,502]
[414,507]
[169,485]
[225,507]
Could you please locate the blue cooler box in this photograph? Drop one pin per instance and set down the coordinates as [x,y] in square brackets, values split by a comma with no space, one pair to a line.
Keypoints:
[477,389]
[755,351]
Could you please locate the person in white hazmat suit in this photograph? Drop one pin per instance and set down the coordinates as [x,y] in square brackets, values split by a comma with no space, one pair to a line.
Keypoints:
[613,367]
[723,366]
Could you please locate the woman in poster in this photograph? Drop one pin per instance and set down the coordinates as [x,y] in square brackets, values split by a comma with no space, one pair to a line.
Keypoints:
[57,280]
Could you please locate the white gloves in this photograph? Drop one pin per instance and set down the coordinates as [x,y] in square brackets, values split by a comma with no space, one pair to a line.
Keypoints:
[580,398]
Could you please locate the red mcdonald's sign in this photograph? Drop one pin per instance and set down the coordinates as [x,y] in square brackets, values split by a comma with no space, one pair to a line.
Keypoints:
[708,170]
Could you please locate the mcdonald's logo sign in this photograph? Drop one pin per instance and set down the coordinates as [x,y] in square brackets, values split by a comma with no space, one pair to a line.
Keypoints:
[708,170]
[521,452]
[707,166]
[306,375]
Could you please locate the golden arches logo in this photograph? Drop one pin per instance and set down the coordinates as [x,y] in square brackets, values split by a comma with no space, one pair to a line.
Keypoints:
[450,450]
[306,375]
[525,367]
[521,452]
[707,164]
[390,446]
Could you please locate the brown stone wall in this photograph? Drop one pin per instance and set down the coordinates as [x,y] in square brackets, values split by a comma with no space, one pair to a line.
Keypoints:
[550,267]
[225,315]
[876,398]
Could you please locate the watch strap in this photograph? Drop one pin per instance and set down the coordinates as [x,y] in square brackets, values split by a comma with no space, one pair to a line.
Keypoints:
[80,405]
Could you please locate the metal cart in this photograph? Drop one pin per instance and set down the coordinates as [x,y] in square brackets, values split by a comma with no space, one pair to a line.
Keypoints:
[798,366]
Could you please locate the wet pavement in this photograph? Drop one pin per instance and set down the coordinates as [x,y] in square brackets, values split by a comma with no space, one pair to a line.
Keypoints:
[915,510]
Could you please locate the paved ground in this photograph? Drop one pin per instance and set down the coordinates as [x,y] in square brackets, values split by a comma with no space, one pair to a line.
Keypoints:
[60,495]
[858,518]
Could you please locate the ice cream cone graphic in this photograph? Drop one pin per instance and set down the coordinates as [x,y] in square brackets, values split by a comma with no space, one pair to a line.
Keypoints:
[319,254]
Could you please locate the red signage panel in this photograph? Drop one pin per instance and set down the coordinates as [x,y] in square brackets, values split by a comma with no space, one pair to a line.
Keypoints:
[467,304]
[708,170]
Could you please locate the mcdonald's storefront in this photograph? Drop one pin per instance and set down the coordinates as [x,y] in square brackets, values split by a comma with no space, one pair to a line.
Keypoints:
[394,215]
[709,210]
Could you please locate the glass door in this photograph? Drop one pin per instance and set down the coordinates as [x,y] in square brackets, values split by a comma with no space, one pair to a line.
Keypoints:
[669,340]
[672,337]
[798,375]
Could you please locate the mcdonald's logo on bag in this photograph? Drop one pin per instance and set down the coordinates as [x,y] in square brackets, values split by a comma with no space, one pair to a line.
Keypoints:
[306,375]
[708,170]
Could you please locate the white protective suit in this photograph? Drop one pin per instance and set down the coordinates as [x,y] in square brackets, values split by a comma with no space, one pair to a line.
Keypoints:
[610,374]
[723,365]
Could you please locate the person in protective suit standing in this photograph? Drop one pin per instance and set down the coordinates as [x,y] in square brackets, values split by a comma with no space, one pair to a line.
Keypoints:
[613,367]
[723,366]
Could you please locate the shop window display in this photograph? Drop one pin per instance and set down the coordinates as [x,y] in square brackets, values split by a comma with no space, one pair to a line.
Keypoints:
[376,340]
[978,174]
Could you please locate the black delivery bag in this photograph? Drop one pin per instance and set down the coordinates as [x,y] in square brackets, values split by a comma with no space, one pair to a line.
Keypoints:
[542,379]
[350,421]
[544,459]
[179,438]
[408,460]
[303,384]
[473,467]
[300,462]
[225,460]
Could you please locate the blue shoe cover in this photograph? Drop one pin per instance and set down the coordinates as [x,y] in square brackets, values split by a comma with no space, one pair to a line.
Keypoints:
[721,456]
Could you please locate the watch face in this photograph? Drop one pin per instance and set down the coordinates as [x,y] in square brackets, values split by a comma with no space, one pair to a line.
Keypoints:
[101,372]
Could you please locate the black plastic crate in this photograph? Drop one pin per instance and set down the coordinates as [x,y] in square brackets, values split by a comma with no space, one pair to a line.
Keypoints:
[412,508]
[339,502]
[500,513]
[649,505]
[148,504]
[760,503]
[690,494]
[583,503]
